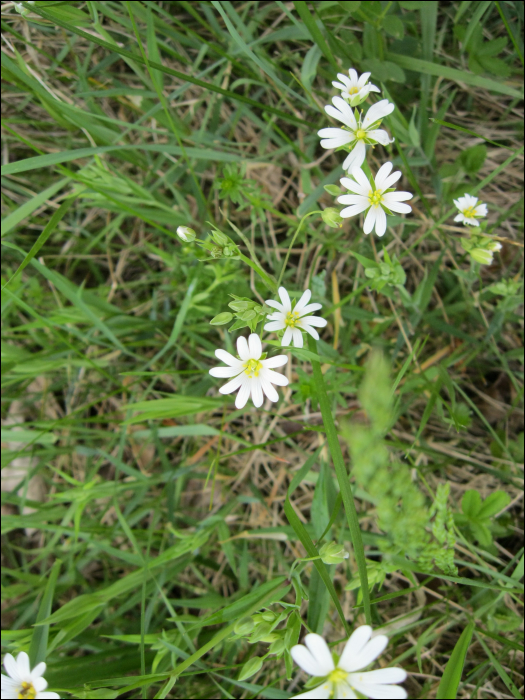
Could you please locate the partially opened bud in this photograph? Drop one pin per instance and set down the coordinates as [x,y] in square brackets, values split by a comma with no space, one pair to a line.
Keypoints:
[333,553]
[332,218]
[482,256]
[186,234]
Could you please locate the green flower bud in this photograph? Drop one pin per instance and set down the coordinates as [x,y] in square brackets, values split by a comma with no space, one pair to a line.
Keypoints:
[23,10]
[220,238]
[482,256]
[216,252]
[277,647]
[221,319]
[333,553]
[244,626]
[186,234]
[332,218]
[334,190]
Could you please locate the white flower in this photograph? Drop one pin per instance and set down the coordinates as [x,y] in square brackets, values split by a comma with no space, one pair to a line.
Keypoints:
[354,89]
[375,199]
[186,234]
[21,682]
[252,375]
[21,9]
[358,133]
[341,681]
[295,320]
[469,209]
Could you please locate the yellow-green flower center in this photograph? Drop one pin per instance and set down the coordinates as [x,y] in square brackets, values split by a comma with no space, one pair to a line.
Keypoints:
[353,91]
[337,675]
[470,213]
[27,691]
[252,368]
[375,198]
[292,318]
[360,134]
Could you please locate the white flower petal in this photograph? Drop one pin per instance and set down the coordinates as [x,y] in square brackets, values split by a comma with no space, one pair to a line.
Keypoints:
[242,348]
[382,175]
[370,220]
[353,76]
[380,222]
[320,651]
[273,377]
[297,338]
[256,391]
[390,181]
[354,646]
[244,392]
[368,654]
[380,136]
[311,307]
[38,671]
[275,305]
[356,187]
[354,209]
[274,326]
[285,298]
[380,676]
[334,140]
[381,692]
[397,196]
[356,157]
[268,389]
[39,683]
[12,668]
[378,111]
[312,321]
[322,692]
[303,301]
[340,86]
[10,687]
[47,696]
[481,210]
[254,344]
[459,217]
[287,337]
[225,372]
[276,361]
[227,358]
[362,179]
[311,331]
[352,199]
[233,385]
[399,207]
[343,691]
[363,79]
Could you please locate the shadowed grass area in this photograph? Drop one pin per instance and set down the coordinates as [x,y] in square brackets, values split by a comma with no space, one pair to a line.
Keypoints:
[145,518]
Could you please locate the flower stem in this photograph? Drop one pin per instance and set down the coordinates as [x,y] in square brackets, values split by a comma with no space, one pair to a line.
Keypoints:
[283,268]
[342,477]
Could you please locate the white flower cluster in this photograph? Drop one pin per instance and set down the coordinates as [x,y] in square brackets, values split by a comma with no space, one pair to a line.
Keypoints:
[22,682]
[251,373]
[376,198]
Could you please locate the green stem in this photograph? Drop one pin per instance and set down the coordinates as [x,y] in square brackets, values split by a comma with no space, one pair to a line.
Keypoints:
[342,477]
[283,268]
[262,274]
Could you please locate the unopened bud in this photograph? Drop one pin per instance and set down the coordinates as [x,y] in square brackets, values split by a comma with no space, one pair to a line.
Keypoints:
[244,626]
[186,234]
[216,252]
[220,238]
[332,218]
[23,10]
[482,256]
[333,553]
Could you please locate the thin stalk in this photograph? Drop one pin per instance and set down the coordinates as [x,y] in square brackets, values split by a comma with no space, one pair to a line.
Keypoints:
[285,263]
[342,478]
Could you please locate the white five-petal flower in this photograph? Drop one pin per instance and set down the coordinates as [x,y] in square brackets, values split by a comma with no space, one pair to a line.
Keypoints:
[354,89]
[343,679]
[469,209]
[251,374]
[375,200]
[358,133]
[294,320]
[21,682]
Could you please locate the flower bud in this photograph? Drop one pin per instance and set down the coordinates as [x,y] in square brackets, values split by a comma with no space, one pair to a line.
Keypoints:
[23,10]
[186,234]
[220,238]
[243,626]
[216,252]
[482,256]
[333,553]
[332,218]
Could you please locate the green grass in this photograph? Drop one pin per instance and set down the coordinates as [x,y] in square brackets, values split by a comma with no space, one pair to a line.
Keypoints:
[143,515]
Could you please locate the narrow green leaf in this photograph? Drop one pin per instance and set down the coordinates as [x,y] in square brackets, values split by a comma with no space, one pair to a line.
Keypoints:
[342,478]
[27,208]
[315,32]
[448,686]
[38,647]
